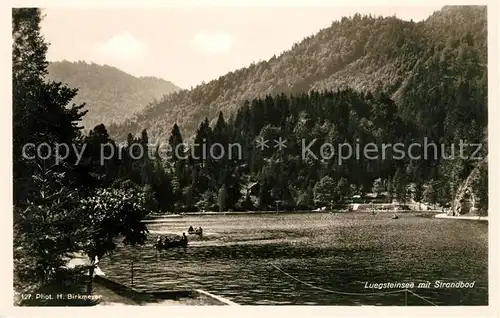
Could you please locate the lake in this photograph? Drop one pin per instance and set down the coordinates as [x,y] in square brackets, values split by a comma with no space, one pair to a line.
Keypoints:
[314,259]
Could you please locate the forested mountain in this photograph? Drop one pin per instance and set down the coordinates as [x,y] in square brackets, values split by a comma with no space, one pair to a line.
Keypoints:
[363,80]
[363,52]
[110,94]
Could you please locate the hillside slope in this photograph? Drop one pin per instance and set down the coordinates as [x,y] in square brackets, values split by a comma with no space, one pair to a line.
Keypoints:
[362,52]
[110,94]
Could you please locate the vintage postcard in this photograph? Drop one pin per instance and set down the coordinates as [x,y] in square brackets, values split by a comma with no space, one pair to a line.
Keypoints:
[251,156]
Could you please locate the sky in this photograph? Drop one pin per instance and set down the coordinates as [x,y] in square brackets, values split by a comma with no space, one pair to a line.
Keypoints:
[190,45]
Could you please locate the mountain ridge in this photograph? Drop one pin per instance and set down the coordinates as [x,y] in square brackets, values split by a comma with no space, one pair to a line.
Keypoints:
[111,95]
[361,52]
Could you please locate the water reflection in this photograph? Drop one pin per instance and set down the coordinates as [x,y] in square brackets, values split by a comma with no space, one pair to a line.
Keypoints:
[339,252]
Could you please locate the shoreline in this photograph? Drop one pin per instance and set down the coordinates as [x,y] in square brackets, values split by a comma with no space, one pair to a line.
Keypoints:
[462,217]
[114,293]
[157,218]
[153,218]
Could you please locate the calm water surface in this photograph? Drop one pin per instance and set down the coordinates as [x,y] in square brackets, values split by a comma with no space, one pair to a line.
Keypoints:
[328,252]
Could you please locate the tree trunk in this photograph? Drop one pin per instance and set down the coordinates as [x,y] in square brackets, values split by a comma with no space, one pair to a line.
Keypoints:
[93,264]
[91,276]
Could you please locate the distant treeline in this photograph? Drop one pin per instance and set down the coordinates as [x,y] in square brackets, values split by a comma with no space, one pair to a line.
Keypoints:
[262,177]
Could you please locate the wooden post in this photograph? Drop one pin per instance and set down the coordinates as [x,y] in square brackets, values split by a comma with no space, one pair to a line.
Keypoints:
[89,283]
[93,264]
[132,274]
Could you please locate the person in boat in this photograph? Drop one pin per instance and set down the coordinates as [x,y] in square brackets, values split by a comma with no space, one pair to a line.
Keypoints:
[159,242]
[190,229]
[199,231]
[184,238]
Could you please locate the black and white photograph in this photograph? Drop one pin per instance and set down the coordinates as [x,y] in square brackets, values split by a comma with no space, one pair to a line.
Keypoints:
[250,156]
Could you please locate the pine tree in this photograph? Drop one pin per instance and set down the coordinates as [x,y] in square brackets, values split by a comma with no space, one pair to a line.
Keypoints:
[431,192]
[44,231]
[40,112]
[45,203]
[418,193]
[202,138]
[55,213]
[222,198]
[176,143]
[399,187]
[378,186]
[324,191]
[342,189]
[177,149]
[101,156]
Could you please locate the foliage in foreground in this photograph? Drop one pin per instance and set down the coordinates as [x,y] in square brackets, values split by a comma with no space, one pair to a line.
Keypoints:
[50,222]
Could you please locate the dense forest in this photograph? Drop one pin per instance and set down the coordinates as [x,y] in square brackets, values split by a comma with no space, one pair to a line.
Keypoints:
[260,178]
[401,82]
[111,95]
[362,81]
[362,52]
